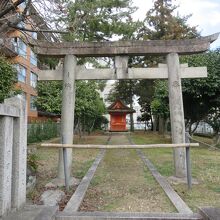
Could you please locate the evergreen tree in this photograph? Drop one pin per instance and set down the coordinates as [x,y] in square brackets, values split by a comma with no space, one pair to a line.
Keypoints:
[201,96]
[96,20]
[89,107]
[8,77]
[162,23]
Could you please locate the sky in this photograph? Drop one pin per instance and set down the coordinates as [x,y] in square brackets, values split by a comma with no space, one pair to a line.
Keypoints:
[205,14]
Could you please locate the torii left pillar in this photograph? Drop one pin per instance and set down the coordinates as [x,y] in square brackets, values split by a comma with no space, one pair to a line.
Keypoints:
[67,114]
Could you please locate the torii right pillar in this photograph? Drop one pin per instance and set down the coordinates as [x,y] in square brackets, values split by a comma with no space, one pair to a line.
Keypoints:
[176,113]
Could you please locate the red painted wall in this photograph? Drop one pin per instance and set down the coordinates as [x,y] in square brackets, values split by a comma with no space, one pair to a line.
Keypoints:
[118,122]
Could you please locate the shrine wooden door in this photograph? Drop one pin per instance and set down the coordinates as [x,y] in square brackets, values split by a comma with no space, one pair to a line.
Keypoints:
[118,122]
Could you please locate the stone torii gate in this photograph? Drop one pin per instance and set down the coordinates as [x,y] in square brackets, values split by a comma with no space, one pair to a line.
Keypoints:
[172,71]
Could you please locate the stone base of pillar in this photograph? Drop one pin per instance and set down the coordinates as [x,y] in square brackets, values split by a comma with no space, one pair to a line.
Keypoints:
[57,182]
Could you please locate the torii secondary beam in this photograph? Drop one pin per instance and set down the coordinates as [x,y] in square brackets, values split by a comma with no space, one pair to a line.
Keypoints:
[132,48]
[133,73]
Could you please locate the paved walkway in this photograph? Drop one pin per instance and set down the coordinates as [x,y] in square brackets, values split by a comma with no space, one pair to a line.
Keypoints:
[119,139]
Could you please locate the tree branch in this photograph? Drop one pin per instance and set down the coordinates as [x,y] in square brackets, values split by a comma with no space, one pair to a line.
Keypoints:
[41,30]
[10,8]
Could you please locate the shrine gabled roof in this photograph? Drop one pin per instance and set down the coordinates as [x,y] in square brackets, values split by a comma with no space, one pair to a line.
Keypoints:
[119,106]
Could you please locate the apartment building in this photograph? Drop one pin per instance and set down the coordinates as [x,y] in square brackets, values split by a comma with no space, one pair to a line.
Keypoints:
[24,59]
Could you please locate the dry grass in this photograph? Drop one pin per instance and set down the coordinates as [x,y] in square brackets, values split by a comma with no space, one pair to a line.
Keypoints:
[48,163]
[205,169]
[123,183]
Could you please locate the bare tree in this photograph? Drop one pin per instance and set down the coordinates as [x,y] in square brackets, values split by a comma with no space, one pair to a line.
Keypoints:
[39,16]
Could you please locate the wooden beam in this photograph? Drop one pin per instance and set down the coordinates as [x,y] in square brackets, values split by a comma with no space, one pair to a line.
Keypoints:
[118,48]
[98,146]
[133,73]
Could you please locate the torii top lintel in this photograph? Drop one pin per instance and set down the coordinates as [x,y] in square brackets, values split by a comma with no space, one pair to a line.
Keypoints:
[110,49]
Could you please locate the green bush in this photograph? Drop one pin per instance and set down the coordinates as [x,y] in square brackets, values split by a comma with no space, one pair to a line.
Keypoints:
[8,77]
[32,162]
[42,131]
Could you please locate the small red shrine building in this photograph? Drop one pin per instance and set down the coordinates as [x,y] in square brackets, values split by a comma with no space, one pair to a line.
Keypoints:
[118,111]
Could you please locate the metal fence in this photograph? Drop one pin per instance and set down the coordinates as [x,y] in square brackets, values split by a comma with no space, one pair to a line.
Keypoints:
[42,131]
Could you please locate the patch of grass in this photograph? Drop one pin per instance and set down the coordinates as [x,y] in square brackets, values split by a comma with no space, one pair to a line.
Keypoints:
[208,140]
[83,168]
[47,160]
[149,138]
[123,183]
[216,189]
[96,181]
[112,205]
[205,165]
[148,177]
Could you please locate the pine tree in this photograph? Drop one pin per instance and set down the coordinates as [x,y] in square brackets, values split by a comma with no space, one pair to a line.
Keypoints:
[162,23]
[100,20]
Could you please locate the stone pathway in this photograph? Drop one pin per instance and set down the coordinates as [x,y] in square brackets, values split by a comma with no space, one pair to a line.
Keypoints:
[34,212]
[119,139]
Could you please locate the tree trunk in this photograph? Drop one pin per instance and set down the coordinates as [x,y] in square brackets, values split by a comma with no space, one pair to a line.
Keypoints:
[197,123]
[161,125]
[166,125]
[91,128]
[151,120]
[155,123]
[216,139]
[131,122]
[190,128]
[83,126]
[80,129]
[145,126]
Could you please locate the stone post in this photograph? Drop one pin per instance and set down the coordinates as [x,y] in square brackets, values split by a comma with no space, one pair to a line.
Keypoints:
[121,66]
[67,118]
[176,113]
[19,153]
[6,143]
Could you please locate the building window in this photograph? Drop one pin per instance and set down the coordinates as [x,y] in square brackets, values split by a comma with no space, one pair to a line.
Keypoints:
[21,24]
[22,95]
[33,80]
[22,73]
[33,58]
[32,103]
[23,5]
[21,47]
[34,35]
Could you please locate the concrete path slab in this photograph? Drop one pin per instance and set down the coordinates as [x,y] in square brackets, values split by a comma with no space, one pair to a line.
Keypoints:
[210,213]
[127,216]
[34,212]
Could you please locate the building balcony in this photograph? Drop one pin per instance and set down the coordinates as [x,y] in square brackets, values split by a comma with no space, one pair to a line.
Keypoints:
[7,48]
